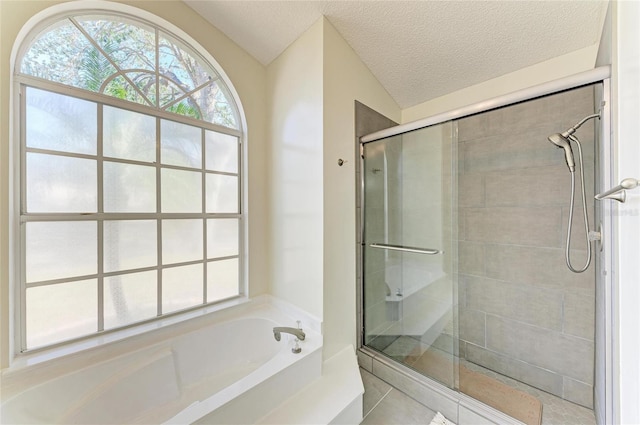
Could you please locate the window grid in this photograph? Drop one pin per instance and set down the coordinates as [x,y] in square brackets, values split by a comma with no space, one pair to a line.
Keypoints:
[100,223]
[193,77]
[113,63]
[158,207]
[59,88]
[204,210]
[100,216]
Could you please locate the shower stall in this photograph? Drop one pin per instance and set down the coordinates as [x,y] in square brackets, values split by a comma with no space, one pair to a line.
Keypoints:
[465,294]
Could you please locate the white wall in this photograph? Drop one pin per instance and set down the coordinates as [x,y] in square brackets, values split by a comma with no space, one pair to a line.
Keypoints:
[605,48]
[295,99]
[312,87]
[552,69]
[626,128]
[346,79]
[248,77]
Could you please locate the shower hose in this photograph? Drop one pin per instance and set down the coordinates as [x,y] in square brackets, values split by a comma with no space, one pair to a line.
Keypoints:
[584,212]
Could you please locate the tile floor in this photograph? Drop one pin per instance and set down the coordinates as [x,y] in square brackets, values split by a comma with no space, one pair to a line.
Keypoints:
[385,405]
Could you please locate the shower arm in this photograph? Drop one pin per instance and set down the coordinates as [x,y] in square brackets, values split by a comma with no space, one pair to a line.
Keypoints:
[573,129]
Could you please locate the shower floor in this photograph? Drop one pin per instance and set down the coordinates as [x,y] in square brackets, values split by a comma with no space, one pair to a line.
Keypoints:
[555,410]
[411,352]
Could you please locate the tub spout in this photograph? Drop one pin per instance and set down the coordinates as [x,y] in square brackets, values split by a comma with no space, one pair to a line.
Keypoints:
[293,331]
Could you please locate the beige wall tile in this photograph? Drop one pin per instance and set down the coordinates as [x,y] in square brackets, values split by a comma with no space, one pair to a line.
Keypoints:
[578,234]
[368,120]
[539,186]
[530,265]
[578,392]
[471,258]
[537,306]
[462,291]
[529,374]
[473,127]
[462,230]
[472,326]
[579,314]
[471,190]
[516,226]
[567,108]
[572,105]
[571,356]
[520,150]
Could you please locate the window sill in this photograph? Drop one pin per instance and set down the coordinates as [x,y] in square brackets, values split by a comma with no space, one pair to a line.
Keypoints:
[91,350]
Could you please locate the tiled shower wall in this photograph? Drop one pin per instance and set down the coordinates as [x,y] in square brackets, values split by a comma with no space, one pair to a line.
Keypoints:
[522,312]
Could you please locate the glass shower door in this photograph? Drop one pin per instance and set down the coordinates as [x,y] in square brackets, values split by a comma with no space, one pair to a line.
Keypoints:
[408,250]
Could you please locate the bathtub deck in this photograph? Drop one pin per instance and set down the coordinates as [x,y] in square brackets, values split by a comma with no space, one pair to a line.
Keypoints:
[334,398]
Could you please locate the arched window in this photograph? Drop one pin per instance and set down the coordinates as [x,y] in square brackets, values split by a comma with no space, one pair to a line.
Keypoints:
[130,205]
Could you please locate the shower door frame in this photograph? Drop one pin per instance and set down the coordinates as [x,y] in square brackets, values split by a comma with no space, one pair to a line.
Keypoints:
[441,395]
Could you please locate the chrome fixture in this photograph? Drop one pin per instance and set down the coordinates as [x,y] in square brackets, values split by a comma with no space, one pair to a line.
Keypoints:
[428,251]
[563,140]
[293,331]
[297,332]
[619,193]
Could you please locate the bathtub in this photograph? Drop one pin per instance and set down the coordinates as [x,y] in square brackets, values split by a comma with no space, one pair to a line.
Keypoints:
[229,370]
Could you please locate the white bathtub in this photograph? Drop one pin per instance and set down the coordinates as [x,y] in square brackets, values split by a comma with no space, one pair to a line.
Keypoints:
[231,371]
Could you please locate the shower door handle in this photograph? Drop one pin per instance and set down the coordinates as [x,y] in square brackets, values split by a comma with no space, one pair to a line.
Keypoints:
[427,251]
[618,193]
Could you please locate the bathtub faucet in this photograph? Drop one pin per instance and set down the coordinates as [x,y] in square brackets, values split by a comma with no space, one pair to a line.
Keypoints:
[293,331]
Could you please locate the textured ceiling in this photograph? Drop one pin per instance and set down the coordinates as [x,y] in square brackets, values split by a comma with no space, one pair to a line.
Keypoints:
[419,50]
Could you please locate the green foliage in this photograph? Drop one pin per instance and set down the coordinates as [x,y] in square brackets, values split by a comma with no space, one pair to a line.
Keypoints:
[95,68]
[65,55]
[186,110]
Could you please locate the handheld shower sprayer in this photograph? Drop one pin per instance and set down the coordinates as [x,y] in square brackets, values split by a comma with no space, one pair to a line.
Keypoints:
[563,140]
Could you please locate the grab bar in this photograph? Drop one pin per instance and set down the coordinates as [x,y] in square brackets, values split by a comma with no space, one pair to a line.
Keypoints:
[618,193]
[427,251]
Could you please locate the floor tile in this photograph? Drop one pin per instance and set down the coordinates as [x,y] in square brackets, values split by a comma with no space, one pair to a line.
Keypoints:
[374,390]
[398,408]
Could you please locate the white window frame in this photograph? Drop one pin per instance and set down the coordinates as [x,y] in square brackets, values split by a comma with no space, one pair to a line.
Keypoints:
[17,153]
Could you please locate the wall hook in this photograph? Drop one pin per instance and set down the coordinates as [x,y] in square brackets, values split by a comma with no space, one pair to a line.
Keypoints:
[341,161]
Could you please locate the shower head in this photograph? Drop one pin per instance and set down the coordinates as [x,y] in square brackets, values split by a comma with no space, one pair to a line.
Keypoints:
[562,141]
